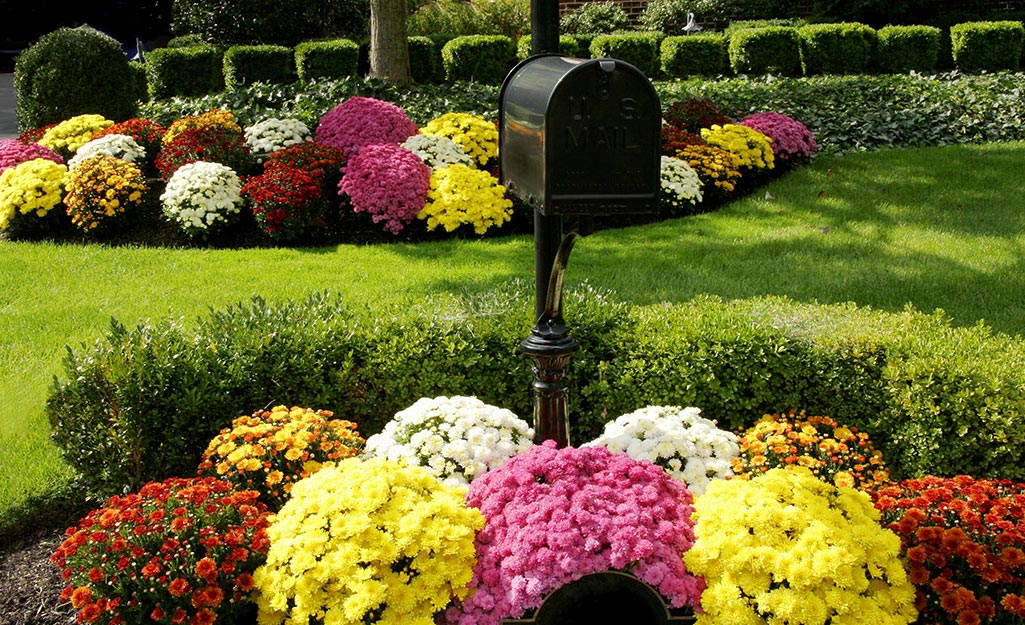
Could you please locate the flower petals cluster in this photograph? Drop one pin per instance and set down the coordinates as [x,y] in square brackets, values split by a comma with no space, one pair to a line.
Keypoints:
[476,135]
[785,547]
[675,139]
[361,121]
[214,144]
[437,151]
[461,194]
[688,446]
[681,186]
[388,182]
[833,452]
[694,114]
[273,449]
[214,118]
[201,196]
[555,515]
[34,186]
[717,168]
[275,133]
[119,146]
[367,541]
[790,138]
[66,137]
[146,133]
[14,152]
[322,162]
[101,187]
[752,149]
[287,203]
[178,551]
[455,438]
[964,540]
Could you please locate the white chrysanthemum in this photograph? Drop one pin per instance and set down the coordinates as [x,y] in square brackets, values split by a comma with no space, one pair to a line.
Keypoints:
[437,151]
[201,194]
[456,438]
[680,183]
[119,146]
[688,446]
[273,134]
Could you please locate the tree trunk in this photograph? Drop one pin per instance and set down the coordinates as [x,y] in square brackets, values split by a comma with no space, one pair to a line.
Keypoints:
[389,51]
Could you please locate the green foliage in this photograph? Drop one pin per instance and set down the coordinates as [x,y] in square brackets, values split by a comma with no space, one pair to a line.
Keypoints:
[640,49]
[720,12]
[987,46]
[601,17]
[847,48]
[688,55]
[189,72]
[567,46]
[244,65]
[422,54]
[854,113]
[474,17]
[283,22]
[769,50]
[481,58]
[667,16]
[906,48]
[69,72]
[337,58]
[737,25]
[140,90]
[185,41]
[143,403]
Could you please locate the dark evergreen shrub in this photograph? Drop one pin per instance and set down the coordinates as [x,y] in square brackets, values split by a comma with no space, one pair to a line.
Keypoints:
[905,48]
[689,55]
[987,46]
[481,58]
[284,22]
[847,48]
[244,65]
[770,50]
[191,71]
[601,17]
[73,71]
[336,58]
[640,49]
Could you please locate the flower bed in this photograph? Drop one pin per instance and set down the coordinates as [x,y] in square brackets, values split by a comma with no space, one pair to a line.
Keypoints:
[368,158]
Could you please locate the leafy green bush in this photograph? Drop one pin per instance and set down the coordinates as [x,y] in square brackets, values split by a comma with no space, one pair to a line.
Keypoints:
[721,12]
[688,55]
[482,58]
[567,46]
[846,48]
[190,71]
[244,65]
[769,50]
[422,55]
[473,17]
[144,403]
[284,22]
[640,49]
[667,16]
[326,59]
[593,18]
[906,48]
[185,41]
[987,46]
[69,72]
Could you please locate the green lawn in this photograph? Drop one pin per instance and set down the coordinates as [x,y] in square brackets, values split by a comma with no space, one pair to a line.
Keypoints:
[936,228]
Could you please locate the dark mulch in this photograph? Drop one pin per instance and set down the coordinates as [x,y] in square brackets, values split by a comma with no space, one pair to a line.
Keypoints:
[30,586]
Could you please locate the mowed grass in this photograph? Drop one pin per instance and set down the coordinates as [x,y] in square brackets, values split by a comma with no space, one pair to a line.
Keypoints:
[933,228]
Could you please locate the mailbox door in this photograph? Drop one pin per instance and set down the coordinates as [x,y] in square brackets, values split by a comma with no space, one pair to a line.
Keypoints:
[603,133]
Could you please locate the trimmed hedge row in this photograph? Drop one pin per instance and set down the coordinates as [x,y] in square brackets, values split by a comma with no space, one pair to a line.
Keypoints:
[143,403]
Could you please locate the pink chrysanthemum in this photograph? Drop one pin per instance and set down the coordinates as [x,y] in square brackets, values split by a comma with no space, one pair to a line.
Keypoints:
[555,515]
[361,121]
[389,182]
[13,153]
[790,138]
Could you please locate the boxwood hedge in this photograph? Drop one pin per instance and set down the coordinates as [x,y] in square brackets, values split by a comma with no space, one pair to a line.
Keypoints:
[142,403]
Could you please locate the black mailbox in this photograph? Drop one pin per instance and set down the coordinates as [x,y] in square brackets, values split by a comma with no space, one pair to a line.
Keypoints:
[580,137]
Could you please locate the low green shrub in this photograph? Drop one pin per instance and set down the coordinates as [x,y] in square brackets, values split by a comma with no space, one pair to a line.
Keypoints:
[474,17]
[281,22]
[690,55]
[567,46]
[667,16]
[69,72]
[769,50]
[640,49]
[185,41]
[422,55]
[987,46]
[847,48]
[908,48]
[245,65]
[143,403]
[481,58]
[601,17]
[189,72]
[327,59]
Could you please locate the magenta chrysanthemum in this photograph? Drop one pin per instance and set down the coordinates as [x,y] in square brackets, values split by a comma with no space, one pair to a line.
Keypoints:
[790,138]
[555,515]
[14,153]
[361,121]
[389,182]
